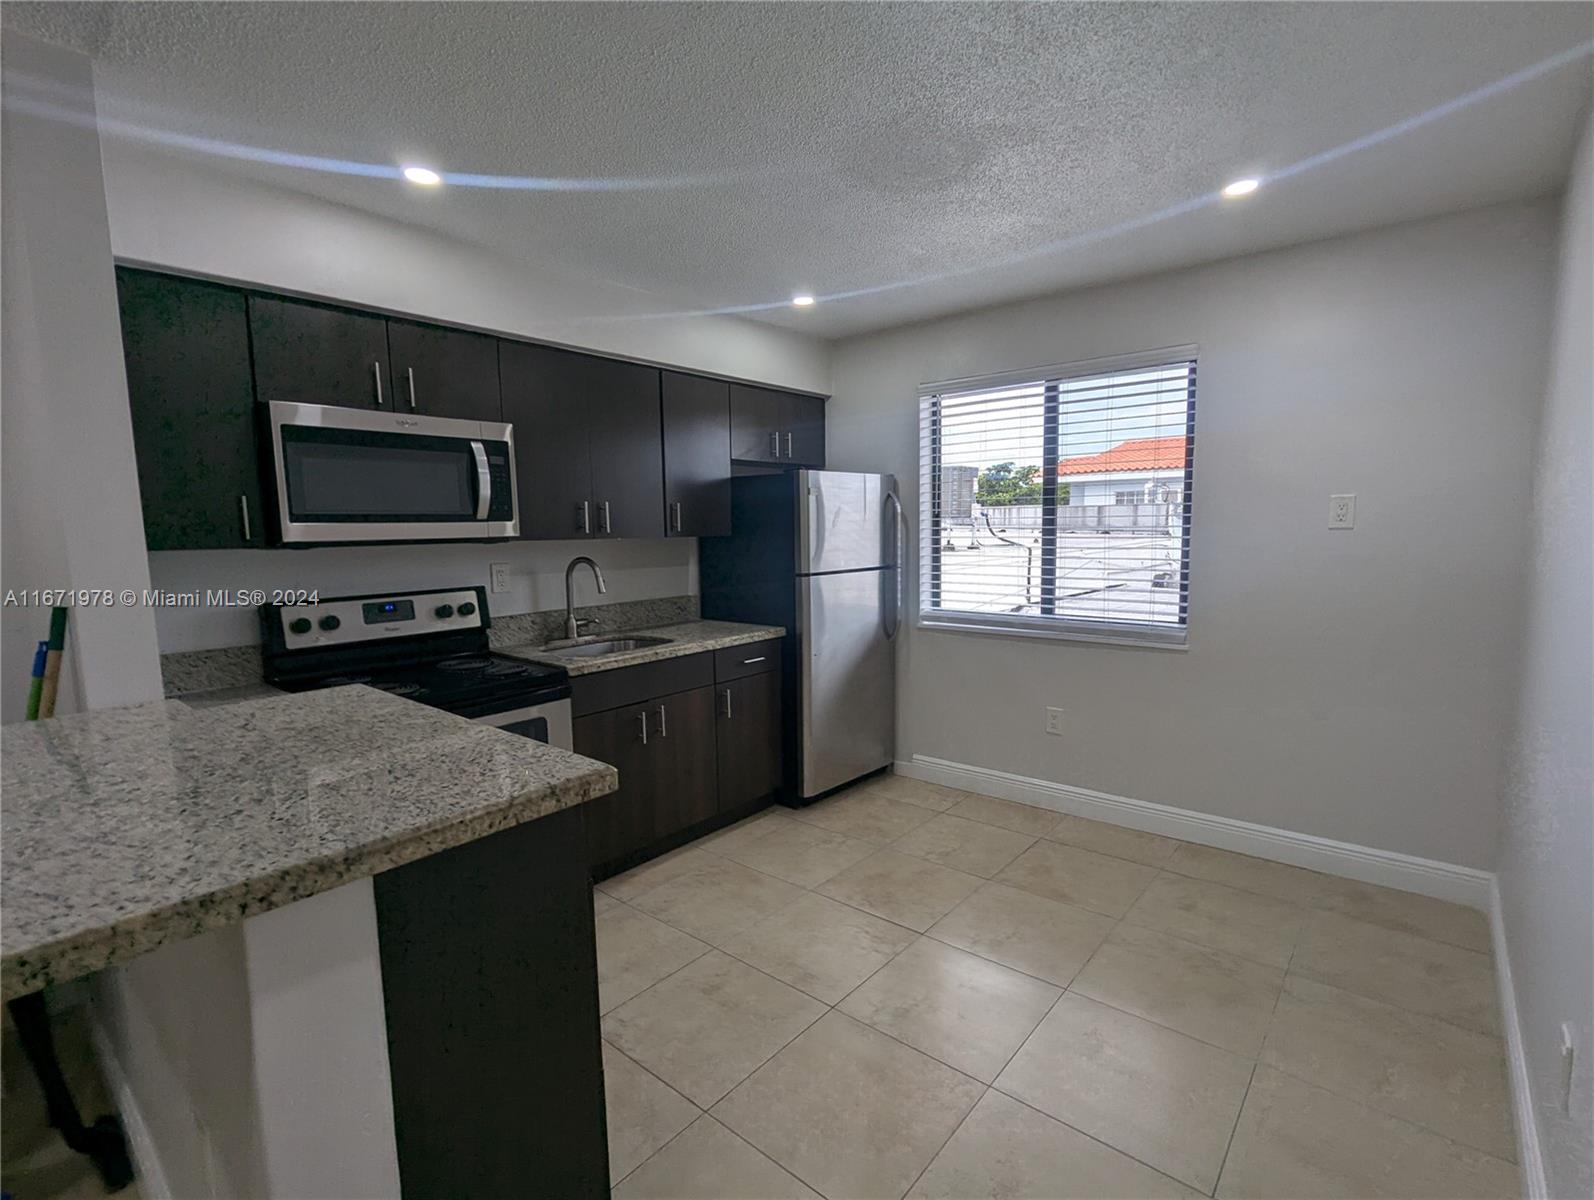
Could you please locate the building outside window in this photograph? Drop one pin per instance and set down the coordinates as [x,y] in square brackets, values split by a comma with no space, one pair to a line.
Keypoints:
[1056,502]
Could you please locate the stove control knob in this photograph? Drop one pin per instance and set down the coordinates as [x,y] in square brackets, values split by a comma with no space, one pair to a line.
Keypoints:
[466,609]
[445,610]
[329,623]
[299,625]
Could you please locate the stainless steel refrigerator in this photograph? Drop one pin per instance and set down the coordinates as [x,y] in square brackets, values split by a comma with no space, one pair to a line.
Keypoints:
[819,552]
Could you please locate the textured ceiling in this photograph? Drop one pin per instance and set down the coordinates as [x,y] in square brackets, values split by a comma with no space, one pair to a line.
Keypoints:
[931,157]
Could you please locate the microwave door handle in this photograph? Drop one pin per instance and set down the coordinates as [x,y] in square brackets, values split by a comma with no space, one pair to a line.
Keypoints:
[484,481]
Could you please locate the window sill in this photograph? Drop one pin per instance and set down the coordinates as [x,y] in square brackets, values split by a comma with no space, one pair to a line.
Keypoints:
[1135,639]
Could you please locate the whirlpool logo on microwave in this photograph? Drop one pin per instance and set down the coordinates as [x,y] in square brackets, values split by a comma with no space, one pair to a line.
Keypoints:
[405,422]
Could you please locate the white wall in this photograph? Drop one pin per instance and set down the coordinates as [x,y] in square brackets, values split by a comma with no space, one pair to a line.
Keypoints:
[70,501]
[252,1060]
[173,214]
[1547,857]
[1349,685]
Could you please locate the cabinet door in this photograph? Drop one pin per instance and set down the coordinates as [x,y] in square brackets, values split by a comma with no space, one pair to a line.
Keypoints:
[627,448]
[802,438]
[444,372]
[187,349]
[622,821]
[313,354]
[697,456]
[755,424]
[544,399]
[683,764]
[749,738]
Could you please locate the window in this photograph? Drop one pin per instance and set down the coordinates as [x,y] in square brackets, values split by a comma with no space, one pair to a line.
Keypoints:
[1056,503]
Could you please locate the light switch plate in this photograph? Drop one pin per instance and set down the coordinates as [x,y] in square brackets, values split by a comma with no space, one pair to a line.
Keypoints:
[1342,511]
[1054,721]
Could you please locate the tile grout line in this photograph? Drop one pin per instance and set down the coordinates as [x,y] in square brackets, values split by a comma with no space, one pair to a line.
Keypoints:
[1310,908]
[701,1112]
[1257,1061]
[1019,1100]
[962,1121]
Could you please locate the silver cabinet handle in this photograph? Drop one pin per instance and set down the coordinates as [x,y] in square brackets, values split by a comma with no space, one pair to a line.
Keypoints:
[675,516]
[644,715]
[376,374]
[603,517]
[584,517]
[774,445]
[788,443]
[727,704]
[410,371]
[747,662]
[243,511]
[664,729]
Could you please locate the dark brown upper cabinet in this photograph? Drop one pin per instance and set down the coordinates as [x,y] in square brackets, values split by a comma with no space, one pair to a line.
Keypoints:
[315,354]
[777,428]
[697,456]
[442,372]
[589,455]
[186,345]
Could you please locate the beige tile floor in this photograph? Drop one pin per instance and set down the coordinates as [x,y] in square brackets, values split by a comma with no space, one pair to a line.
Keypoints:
[909,990]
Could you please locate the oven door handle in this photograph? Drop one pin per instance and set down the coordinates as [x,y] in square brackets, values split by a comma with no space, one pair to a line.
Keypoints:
[484,481]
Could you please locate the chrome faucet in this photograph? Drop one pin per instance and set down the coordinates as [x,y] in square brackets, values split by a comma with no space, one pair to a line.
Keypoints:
[573,626]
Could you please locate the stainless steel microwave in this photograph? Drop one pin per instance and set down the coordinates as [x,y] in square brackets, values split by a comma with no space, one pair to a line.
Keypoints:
[352,475]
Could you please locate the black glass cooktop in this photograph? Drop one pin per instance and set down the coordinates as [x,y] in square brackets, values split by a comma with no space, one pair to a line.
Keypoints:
[464,681]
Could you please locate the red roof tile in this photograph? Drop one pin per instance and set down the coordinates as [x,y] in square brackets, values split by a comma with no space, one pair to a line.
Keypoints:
[1137,454]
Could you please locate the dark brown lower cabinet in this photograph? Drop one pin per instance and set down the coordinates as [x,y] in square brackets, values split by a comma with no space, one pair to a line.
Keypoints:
[622,822]
[749,739]
[704,749]
[684,769]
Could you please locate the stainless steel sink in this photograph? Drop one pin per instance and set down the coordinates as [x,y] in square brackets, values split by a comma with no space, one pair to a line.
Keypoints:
[608,646]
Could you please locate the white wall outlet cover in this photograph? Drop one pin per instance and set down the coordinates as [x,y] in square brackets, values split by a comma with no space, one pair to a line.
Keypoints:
[500,576]
[1342,511]
[1054,721]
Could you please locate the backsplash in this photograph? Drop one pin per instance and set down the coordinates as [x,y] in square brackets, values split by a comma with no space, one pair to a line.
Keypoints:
[187,671]
[635,570]
[205,670]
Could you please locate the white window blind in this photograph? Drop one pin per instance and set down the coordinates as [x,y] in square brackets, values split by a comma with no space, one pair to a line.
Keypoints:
[1057,502]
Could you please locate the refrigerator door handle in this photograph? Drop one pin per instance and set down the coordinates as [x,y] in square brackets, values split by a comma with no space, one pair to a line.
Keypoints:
[897,522]
[816,529]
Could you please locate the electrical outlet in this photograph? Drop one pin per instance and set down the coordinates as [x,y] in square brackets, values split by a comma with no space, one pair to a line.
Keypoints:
[1054,721]
[1342,511]
[500,577]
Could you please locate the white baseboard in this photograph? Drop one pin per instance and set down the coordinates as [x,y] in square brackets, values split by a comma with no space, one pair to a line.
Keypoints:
[1425,876]
[150,1176]
[1530,1158]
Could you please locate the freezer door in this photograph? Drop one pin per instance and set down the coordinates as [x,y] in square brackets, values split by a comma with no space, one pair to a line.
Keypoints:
[843,521]
[848,687]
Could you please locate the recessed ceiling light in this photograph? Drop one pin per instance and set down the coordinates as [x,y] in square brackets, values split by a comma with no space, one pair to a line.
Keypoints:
[424,176]
[1241,187]
[803,300]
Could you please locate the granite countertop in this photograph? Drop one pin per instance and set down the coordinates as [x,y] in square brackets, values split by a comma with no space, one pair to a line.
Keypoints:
[127,828]
[690,637]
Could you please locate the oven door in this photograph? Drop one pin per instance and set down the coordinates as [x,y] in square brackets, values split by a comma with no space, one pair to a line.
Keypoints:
[548,723]
[345,475]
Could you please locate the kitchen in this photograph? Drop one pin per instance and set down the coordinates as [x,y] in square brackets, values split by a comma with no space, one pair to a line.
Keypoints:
[606,702]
